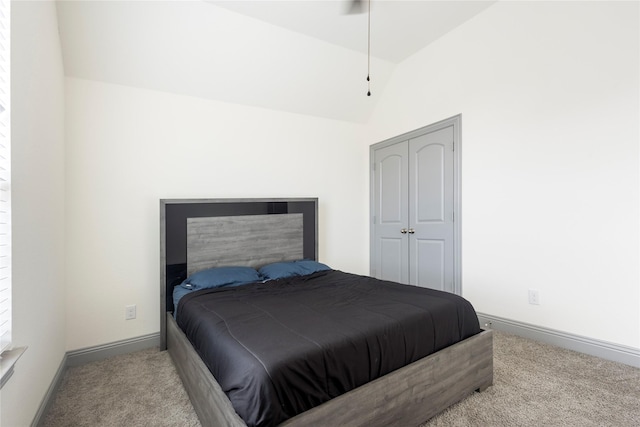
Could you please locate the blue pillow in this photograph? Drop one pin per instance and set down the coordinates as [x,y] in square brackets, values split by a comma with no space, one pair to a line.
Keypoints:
[221,276]
[279,270]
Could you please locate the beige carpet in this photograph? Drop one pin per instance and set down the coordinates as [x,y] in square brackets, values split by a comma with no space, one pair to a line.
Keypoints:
[137,389]
[537,384]
[534,385]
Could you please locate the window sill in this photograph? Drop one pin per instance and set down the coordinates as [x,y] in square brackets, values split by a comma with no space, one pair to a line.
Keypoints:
[7,360]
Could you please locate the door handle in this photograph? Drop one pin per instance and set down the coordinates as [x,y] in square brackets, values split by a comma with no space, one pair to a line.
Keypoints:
[403,230]
[411,231]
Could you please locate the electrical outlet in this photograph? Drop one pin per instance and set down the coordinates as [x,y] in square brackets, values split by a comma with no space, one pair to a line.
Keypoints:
[534,297]
[130,312]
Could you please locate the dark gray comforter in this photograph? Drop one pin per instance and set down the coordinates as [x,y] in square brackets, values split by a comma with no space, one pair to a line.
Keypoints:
[282,347]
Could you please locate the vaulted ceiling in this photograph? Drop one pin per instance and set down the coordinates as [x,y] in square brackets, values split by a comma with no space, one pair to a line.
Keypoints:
[306,57]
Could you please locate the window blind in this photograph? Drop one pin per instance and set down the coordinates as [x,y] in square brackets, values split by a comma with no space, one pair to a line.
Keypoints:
[5,176]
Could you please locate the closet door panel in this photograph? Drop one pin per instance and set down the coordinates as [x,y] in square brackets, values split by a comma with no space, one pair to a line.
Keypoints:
[431,206]
[430,267]
[429,189]
[390,209]
[392,168]
[392,251]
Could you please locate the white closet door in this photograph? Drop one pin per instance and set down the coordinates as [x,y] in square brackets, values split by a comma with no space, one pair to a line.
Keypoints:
[415,202]
[431,209]
[390,211]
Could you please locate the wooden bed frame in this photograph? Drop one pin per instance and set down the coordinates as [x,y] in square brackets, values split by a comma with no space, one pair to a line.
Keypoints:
[405,397]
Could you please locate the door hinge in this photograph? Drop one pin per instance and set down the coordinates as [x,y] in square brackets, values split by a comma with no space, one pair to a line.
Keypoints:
[453,146]
[453,219]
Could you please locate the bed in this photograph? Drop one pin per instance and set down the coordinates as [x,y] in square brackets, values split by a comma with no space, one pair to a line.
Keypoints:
[200,234]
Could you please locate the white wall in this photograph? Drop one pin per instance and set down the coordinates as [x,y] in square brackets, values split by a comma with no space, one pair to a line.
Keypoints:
[127,148]
[38,208]
[549,96]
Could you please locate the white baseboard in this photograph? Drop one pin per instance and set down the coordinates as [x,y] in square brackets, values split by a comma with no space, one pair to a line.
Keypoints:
[100,352]
[606,350]
[87,355]
[47,400]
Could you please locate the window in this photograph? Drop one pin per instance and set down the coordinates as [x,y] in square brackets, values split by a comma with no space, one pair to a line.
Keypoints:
[5,177]
[8,355]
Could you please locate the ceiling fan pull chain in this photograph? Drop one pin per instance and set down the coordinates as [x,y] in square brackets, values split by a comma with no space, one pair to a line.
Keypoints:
[369,50]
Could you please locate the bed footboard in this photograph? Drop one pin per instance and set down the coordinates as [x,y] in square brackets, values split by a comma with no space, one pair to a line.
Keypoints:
[413,394]
[405,397]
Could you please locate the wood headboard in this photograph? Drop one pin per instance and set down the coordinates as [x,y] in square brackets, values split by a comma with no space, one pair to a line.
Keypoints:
[251,240]
[196,234]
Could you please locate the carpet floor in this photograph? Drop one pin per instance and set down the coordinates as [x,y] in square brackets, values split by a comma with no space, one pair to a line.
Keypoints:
[535,384]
